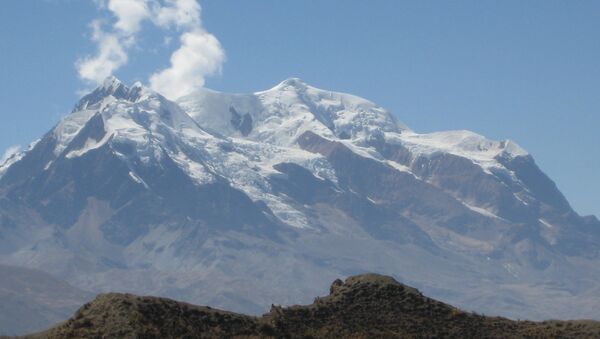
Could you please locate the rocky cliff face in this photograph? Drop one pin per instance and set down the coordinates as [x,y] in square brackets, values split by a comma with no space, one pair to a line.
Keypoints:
[241,200]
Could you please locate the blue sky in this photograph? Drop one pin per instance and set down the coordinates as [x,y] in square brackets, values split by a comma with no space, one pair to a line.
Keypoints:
[523,70]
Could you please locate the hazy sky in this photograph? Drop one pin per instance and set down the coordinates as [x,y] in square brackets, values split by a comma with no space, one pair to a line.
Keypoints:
[523,70]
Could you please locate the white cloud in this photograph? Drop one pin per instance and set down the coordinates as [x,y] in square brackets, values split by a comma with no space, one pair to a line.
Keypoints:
[130,14]
[181,13]
[199,55]
[110,56]
[112,46]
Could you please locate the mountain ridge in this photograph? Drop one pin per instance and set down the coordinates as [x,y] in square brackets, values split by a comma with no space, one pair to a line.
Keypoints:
[365,306]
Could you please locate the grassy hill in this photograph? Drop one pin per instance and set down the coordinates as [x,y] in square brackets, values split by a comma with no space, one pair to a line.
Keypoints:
[365,306]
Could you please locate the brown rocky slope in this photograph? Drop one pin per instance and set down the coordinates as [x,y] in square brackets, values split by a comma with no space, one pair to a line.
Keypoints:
[364,306]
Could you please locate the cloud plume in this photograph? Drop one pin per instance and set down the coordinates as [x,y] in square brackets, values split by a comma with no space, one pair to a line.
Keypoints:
[110,56]
[199,54]
[112,46]
[130,14]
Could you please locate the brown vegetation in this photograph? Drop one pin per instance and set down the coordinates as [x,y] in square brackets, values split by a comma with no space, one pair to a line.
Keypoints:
[365,306]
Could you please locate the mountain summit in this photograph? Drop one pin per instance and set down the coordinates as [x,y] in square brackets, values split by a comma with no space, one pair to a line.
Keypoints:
[241,200]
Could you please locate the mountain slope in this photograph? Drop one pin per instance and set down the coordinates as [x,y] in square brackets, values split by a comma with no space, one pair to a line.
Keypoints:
[31,300]
[231,199]
[366,306]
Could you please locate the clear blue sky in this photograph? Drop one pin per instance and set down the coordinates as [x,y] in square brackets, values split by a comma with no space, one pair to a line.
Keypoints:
[524,70]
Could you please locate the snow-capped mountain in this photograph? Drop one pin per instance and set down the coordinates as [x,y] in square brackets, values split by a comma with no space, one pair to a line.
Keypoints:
[242,200]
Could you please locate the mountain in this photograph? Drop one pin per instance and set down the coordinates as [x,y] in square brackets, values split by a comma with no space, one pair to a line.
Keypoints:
[241,200]
[31,300]
[366,306]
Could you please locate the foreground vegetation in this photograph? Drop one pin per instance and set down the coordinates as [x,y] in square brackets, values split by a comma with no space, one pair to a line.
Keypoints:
[365,306]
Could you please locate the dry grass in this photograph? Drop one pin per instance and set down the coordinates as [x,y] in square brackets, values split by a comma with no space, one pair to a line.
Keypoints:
[366,306]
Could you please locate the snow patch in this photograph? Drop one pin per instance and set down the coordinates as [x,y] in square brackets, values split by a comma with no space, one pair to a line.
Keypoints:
[10,156]
[466,144]
[545,223]
[482,211]
[195,170]
[137,179]
[90,144]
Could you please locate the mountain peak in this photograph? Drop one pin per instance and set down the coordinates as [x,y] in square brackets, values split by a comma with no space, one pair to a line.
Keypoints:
[293,82]
[111,87]
[111,83]
[137,84]
[512,148]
